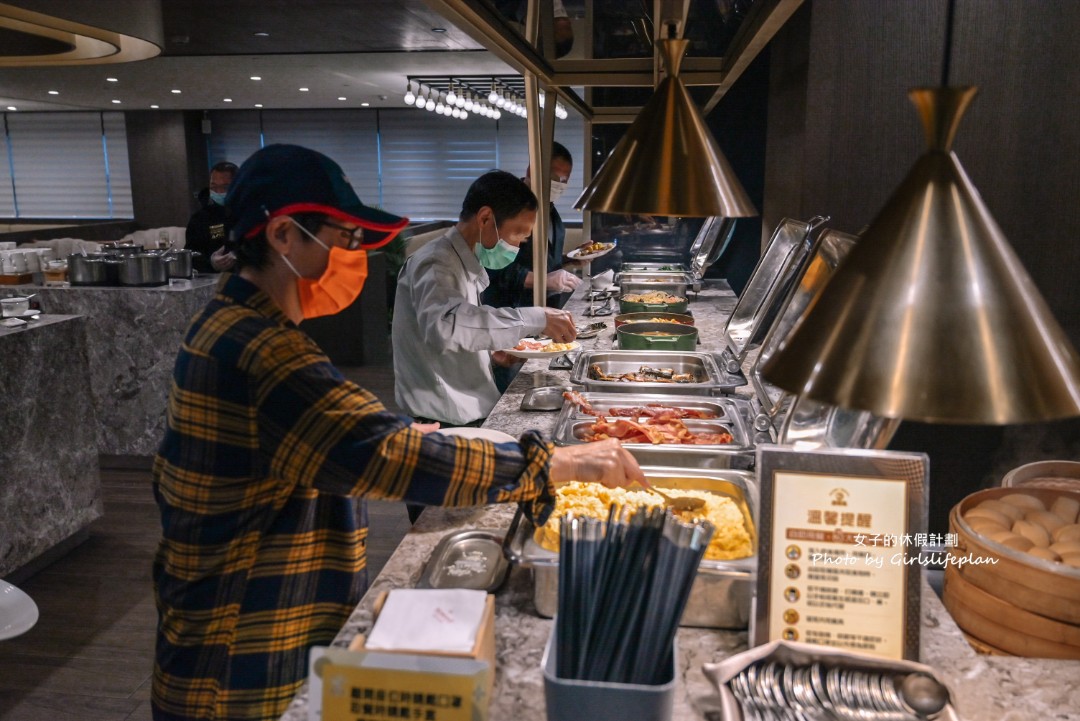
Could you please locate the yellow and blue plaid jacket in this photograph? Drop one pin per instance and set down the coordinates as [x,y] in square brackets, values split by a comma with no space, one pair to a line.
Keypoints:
[267,454]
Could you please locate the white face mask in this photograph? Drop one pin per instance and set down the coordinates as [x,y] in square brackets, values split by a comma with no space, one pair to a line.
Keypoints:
[557,189]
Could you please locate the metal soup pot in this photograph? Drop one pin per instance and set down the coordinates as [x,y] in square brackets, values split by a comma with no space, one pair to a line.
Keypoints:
[632,306]
[657,336]
[87,269]
[179,263]
[144,269]
[648,318]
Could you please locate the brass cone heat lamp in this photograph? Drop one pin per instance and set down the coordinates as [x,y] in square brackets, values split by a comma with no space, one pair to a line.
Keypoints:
[931,316]
[668,163]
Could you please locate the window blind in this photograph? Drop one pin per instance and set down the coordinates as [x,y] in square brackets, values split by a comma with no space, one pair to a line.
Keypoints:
[7,188]
[349,137]
[429,161]
[48,147]
[234,136]
[119,171]
[513,139]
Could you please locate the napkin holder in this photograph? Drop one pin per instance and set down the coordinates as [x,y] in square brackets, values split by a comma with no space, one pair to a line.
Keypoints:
[358,681]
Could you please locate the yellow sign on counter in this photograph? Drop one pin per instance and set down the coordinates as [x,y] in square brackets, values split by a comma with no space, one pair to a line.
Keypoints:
[840,562]
[374,686]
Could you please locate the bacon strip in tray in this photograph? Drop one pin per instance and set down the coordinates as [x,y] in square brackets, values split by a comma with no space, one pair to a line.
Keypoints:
[662,424]
[645,411]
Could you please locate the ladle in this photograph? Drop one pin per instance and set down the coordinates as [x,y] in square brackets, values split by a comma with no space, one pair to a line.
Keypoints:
[676,503]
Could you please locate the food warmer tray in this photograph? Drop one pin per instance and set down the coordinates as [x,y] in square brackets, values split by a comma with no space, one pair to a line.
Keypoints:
[832,247]
[730,416]
[721,594]
[783,259]
[644,282]
[655,267]
[709,379]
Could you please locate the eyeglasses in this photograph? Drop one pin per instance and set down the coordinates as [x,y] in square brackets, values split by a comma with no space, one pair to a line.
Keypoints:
[353,236]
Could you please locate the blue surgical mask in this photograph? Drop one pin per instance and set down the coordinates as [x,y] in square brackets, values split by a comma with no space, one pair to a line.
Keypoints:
[217,198]
[496,258]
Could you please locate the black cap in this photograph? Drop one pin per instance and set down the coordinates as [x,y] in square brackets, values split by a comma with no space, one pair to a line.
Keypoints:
[284,179]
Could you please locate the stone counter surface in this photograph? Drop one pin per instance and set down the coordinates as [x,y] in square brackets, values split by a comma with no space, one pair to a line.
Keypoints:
[133,335]
[49,483]
[1005,689]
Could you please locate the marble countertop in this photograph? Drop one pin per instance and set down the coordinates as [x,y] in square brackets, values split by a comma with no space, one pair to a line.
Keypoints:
[175,285]
[984,687]
[42,321]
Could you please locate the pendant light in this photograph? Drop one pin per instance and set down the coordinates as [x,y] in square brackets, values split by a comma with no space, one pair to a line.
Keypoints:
[931,316]
[668,163]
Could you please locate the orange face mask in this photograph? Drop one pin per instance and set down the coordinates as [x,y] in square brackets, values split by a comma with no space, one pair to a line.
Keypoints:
[338,286]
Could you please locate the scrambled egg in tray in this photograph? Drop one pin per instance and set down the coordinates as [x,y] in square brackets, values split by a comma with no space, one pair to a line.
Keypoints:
[731,539]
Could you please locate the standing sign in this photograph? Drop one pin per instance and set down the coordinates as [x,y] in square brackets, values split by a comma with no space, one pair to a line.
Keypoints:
[838,566]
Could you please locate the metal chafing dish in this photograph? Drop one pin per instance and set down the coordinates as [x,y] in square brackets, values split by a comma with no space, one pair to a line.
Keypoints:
[646,281]
[721,594]
[830,249]
[731,414]
[708,377]
[632,267]
[779,266]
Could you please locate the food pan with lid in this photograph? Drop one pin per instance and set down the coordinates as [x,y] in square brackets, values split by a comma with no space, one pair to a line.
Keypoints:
[703,375]
[720,597]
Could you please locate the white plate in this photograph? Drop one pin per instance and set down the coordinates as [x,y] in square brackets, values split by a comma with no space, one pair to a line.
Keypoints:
[576,253]
[484,434]
[24,314]
[18,612]
[542,353]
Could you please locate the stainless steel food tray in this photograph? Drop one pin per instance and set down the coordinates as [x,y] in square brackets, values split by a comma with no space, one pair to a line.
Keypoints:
[646,281]
[759,302]
[830,249]
[725,410]
[654,267]
[545,398]
[467,559]
[708,377]
[721,594]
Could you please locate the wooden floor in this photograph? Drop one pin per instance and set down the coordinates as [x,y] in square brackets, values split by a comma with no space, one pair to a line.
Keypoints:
[90,656]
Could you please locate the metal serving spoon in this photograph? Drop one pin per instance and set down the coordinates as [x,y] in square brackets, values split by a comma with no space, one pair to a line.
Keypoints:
[677,503]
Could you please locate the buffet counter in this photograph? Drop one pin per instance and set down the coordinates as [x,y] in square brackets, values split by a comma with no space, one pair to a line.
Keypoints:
[132,336]
[983,686]
[49,483]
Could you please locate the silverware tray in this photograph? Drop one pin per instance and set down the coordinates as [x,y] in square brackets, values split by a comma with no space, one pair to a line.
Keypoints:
[720,596]
[708,378]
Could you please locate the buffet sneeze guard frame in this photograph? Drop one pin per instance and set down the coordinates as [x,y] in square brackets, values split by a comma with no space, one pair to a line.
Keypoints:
[759,303]
[838,556]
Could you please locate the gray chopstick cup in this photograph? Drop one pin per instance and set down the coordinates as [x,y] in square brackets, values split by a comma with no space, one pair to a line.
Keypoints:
[602,701]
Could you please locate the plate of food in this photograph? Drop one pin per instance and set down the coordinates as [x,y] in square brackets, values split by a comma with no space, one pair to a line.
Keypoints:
[590,251]
[531,348]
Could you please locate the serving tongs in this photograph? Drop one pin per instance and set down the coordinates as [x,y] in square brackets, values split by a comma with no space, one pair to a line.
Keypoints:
[675,503]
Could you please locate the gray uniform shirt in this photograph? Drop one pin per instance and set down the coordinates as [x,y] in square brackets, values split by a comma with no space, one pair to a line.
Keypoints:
[443,336]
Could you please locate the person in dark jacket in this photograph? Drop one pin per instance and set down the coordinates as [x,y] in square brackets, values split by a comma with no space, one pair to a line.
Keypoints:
[512,286]
[208,227]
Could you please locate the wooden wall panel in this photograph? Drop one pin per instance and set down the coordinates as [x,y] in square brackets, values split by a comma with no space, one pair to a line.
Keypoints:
[842,133]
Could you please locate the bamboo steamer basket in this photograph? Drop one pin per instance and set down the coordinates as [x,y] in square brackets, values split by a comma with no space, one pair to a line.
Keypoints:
[1042,587]
[1060,475]
[1006,627]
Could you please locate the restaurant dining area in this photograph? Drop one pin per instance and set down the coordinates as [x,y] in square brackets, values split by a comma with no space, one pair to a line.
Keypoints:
[467,360]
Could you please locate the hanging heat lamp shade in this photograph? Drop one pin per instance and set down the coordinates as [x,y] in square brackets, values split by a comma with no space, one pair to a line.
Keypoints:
[931,316]
[668,163]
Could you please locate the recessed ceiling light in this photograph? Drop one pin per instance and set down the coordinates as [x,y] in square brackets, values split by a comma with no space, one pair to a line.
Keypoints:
[54,92]
[303,90]
[112,80]
[438,30]
[255,77]
[117,102]
[174,91]
[258,105]
[12,108]
[342,98]
[226,100]
[364,105]
[155,107]
[261,34]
